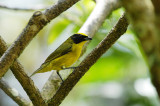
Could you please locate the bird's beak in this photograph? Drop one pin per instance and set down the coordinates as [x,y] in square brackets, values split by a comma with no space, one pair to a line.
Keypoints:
[87,38]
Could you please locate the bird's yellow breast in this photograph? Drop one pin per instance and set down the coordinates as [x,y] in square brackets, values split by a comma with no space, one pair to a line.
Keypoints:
[68,59]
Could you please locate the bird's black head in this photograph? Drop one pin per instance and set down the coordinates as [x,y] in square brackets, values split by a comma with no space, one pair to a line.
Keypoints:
[79,37]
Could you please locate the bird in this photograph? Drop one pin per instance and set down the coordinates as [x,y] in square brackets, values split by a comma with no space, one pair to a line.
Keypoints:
[65,55]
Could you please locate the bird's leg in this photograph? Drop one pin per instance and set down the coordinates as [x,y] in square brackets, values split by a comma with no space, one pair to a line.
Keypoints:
[59,76]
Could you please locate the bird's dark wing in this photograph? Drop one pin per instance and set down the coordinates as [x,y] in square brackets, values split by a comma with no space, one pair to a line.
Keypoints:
[60,51]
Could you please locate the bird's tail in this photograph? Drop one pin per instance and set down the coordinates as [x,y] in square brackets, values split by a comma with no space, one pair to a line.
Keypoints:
[37,71]
[42,69]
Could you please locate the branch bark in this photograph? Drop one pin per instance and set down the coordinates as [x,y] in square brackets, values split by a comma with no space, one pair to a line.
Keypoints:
[155,69]
[13,93]
[119,29]
[156,6]
[102,9]
[51,86]
[36,23]
[22,77]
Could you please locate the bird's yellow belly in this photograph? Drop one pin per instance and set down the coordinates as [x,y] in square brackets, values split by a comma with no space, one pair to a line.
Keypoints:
[64,61]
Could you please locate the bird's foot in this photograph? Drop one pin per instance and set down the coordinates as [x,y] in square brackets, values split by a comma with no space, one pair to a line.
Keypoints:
[69,68]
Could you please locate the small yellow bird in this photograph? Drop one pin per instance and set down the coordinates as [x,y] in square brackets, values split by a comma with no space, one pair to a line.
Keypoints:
[65,55]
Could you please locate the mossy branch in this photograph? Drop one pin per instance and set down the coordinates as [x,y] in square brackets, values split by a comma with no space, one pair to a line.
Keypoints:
[22,77]
[13,93]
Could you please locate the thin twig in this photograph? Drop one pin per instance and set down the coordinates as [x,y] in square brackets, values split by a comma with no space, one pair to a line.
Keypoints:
[118,30]
[22,77]
[23,9]
[102,9]
[13,93]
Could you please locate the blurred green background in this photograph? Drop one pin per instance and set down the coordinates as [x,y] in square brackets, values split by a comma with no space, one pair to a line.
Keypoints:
[119,78]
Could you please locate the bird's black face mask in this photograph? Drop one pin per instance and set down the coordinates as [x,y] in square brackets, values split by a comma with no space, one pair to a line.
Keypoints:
[77,38]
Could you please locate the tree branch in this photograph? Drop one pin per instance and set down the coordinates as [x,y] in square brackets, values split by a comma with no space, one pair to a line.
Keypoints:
[13,93]
[142,15]
[102,9]
[51,86]
[36,23]
[119,29]
[22,77]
